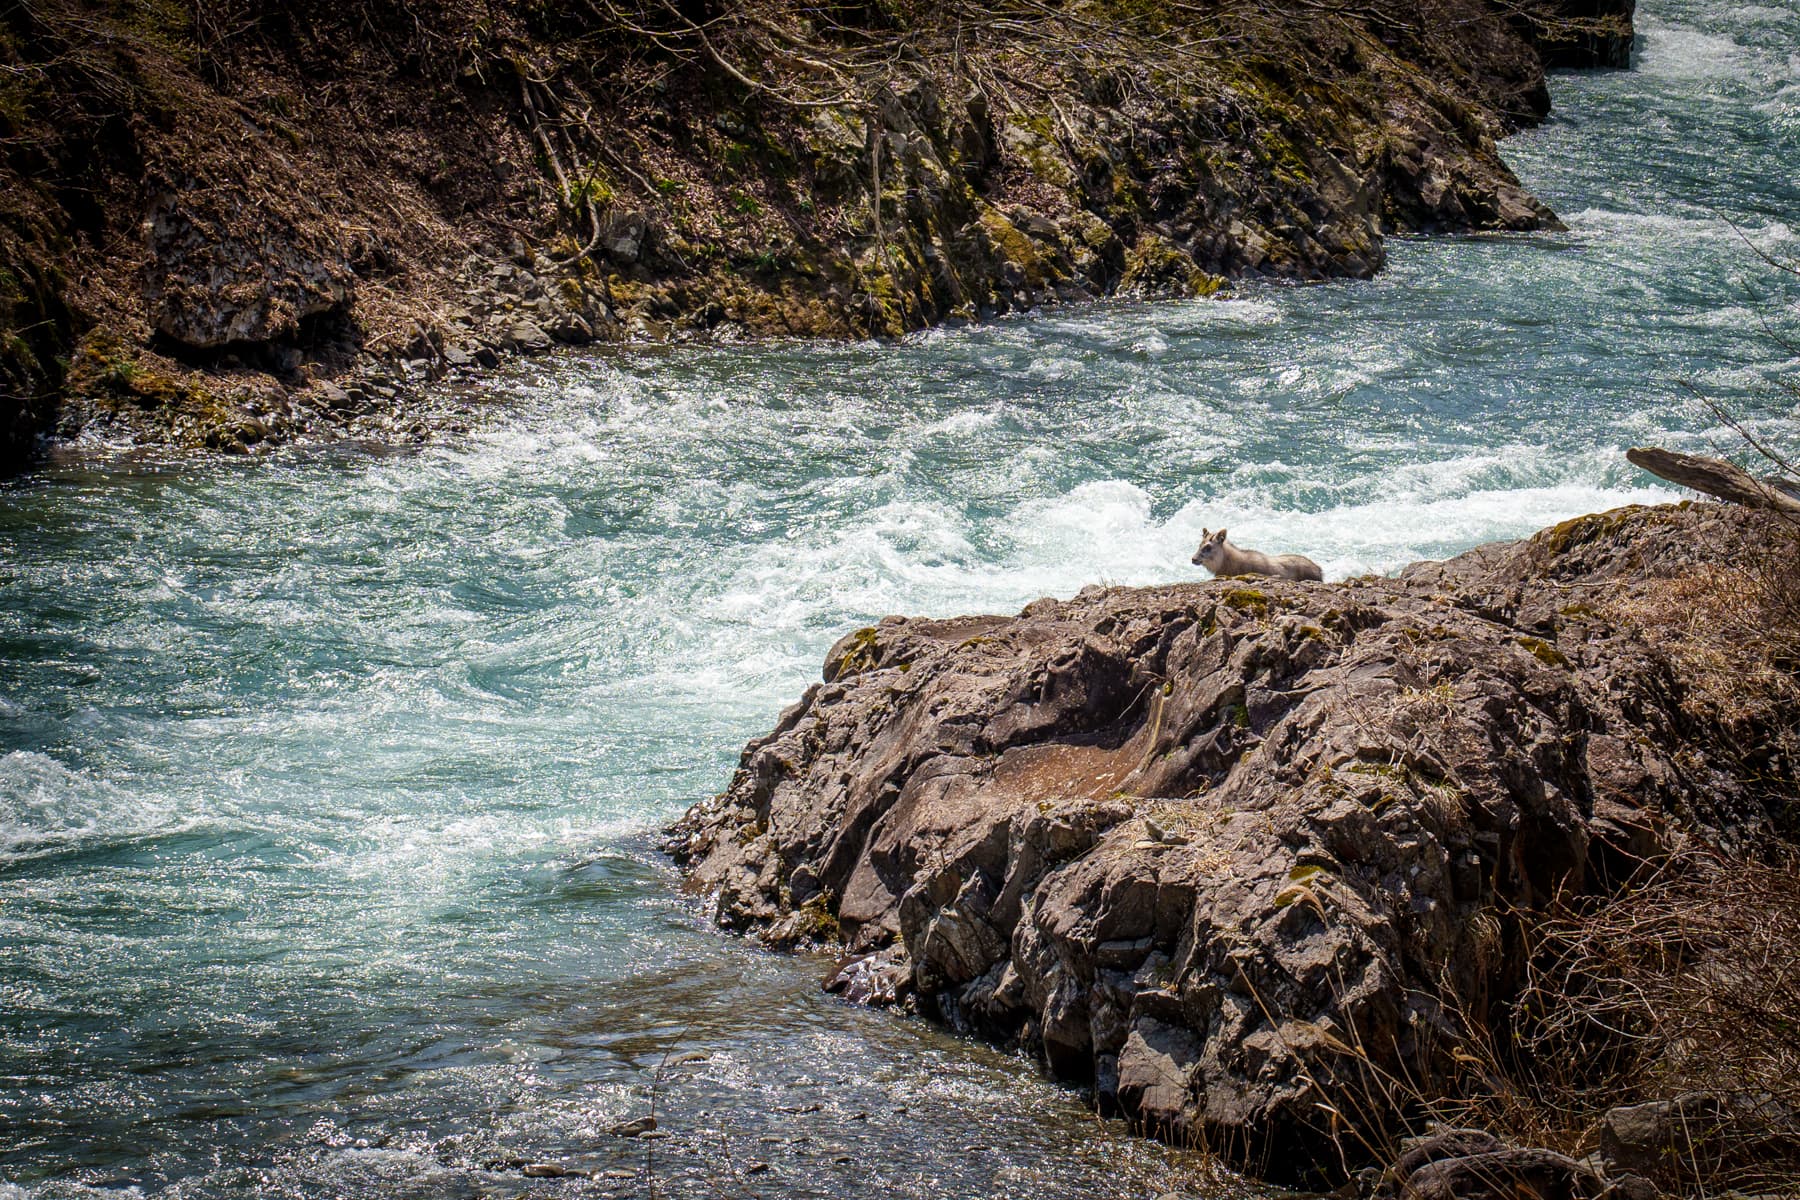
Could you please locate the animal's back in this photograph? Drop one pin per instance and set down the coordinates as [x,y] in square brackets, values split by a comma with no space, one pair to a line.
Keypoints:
[1296,566]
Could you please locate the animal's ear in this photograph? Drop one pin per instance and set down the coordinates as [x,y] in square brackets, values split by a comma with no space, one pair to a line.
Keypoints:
[1205,535]
[1219,537]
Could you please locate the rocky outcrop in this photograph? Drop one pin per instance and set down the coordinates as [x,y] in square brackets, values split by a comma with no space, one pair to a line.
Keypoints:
[1249,857]
[224,270]
[207,227]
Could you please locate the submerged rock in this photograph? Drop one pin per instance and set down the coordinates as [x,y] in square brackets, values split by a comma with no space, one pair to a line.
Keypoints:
[636,1127]
[1231,853]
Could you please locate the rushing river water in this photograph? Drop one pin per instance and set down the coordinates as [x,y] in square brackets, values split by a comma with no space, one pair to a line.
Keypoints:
[327,783]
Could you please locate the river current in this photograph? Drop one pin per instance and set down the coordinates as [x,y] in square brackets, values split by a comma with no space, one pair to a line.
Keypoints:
[329,782]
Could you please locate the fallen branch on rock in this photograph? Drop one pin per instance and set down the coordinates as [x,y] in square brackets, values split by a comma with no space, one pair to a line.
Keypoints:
[1716,477]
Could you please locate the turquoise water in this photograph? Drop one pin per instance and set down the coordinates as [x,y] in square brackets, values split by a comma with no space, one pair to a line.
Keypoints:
[328,783]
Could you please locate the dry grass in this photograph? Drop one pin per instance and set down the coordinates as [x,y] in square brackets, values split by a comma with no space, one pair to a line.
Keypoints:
[1688,984]
[1684,989]
[1731,630]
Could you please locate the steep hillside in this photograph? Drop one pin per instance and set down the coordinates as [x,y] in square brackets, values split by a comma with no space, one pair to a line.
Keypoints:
[228,223]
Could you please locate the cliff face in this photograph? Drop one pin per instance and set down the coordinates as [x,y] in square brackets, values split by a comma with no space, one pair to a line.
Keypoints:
[232,223]
[1254,859]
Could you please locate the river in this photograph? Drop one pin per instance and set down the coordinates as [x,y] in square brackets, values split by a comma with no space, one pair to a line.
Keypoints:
[329,782]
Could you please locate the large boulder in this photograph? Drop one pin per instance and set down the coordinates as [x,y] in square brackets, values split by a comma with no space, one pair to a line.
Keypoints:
[228,269]
[1237,854]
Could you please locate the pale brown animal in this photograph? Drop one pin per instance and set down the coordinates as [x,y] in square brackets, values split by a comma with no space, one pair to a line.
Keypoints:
[1222,558]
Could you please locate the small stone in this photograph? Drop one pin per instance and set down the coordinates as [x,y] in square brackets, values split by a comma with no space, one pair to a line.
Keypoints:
[544,1170]
[527,337]
[572,330]
[636,1127]
[877,979]
[624,238]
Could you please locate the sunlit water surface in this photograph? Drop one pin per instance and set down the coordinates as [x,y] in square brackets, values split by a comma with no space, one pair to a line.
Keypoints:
[328,783]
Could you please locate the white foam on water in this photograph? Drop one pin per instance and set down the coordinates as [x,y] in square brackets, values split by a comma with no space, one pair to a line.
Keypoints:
[962,422]
[1054,368]
[1601,221]
[1678,53]
[421,859]
[780,600]
[1205,316]
[1746,14]
[1381,538]
[45,805]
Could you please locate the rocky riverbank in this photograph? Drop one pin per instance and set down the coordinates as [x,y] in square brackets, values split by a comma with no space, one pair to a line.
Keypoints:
[1260,862]
[234,224]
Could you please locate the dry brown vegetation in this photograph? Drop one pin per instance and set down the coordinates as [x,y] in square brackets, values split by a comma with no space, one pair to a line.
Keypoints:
[774,148]
[1732,629]
[1681,991]
[1679,994]
[1686,988]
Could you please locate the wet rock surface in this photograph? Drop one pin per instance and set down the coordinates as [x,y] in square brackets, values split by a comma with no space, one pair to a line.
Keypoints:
[1231,852]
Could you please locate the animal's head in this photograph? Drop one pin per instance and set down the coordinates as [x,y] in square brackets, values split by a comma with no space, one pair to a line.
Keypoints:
[1212,547]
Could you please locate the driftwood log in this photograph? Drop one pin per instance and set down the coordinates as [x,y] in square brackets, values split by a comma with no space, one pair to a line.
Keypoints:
[1716,477]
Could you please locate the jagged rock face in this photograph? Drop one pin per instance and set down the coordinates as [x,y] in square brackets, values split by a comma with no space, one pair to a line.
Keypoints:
[224,270]
[35,325]
[1228,851]
[1134,187]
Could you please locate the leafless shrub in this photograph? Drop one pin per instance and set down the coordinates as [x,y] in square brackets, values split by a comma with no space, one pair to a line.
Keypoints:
[1688,984]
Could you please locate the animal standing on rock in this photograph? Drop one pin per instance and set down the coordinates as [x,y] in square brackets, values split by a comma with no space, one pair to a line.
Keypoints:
[1222,558]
